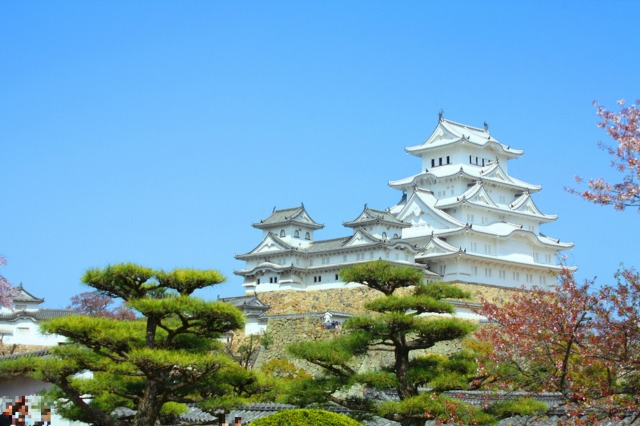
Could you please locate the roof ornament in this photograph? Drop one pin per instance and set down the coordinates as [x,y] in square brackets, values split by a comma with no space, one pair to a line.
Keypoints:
[440,113]
[486,126]
[274,210]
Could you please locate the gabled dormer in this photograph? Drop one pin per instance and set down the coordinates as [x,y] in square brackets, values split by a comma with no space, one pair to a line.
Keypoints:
[381,224]
[25,301]
[270,245]
[361,237]
[524,204]
[293,225]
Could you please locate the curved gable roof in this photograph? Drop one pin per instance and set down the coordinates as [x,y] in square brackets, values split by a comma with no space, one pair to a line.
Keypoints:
[492,172]
[269,245]
[424,201]
[449,132]
[25,297]
[369,216]
[297,215]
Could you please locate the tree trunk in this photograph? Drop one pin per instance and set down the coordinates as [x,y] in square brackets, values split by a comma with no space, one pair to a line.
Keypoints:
[149,406]
[412,422]
[405,389]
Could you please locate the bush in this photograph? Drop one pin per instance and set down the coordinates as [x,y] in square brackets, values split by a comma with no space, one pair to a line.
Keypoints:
[305,417]
[521,407]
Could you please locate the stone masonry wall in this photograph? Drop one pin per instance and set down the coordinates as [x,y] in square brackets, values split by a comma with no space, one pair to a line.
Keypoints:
[352,300]
[283,331]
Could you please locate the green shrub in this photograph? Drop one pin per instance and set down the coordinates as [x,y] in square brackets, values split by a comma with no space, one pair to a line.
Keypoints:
[522,407]
[305,417]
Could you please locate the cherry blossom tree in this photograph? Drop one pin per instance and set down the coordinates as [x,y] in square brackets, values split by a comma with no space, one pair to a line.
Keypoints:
[539,336]
[616,341]
[574,339]
[624,127]
[97,304]
[6,291]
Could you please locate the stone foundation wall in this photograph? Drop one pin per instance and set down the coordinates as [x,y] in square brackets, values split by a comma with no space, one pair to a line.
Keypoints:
[352,300]
[284,331]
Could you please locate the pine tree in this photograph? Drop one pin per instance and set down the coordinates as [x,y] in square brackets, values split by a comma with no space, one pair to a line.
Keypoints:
[168,357]
[400,324]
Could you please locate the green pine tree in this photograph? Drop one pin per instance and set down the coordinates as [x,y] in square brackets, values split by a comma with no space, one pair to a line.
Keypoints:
[396,324]
[169,357]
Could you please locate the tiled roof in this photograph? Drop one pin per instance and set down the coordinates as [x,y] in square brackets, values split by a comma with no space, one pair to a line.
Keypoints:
[38,353]
[293,215]
[461,133]
[38,315]
[25,297]
[371,215]
[245,302]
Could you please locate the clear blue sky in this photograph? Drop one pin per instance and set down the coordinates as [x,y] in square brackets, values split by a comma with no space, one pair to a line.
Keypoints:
[157,132]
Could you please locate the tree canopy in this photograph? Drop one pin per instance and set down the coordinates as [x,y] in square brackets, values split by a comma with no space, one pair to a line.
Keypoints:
[95,303]
[6,291]
[397,324]
[623,127]
[168,357]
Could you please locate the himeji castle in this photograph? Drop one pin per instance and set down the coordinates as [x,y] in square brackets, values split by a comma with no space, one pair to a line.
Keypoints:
[462,218]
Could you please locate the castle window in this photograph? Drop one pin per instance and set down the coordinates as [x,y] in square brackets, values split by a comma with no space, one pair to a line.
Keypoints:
[282,233]
[395,235]
[384,235]
[307,236]
[433,162]
[296,234]
[258,281]
[448,160]
[483,161]
[440,161]
[317,278]
[337,277]
[470,161]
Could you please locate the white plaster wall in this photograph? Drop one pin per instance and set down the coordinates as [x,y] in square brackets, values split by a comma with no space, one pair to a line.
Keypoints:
[27,332]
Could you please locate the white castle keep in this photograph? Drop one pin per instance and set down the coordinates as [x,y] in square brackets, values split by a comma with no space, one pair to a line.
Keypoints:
[463,218]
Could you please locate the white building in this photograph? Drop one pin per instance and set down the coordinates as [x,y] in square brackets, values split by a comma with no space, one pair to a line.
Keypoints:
[20,325]
[462,218]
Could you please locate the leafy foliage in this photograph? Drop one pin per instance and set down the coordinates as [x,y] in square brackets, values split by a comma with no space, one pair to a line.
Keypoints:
[576,340]
[433,406]
[517,407]
[154,365]
[7,293]
[396,324]
[94,303]
[305,417]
